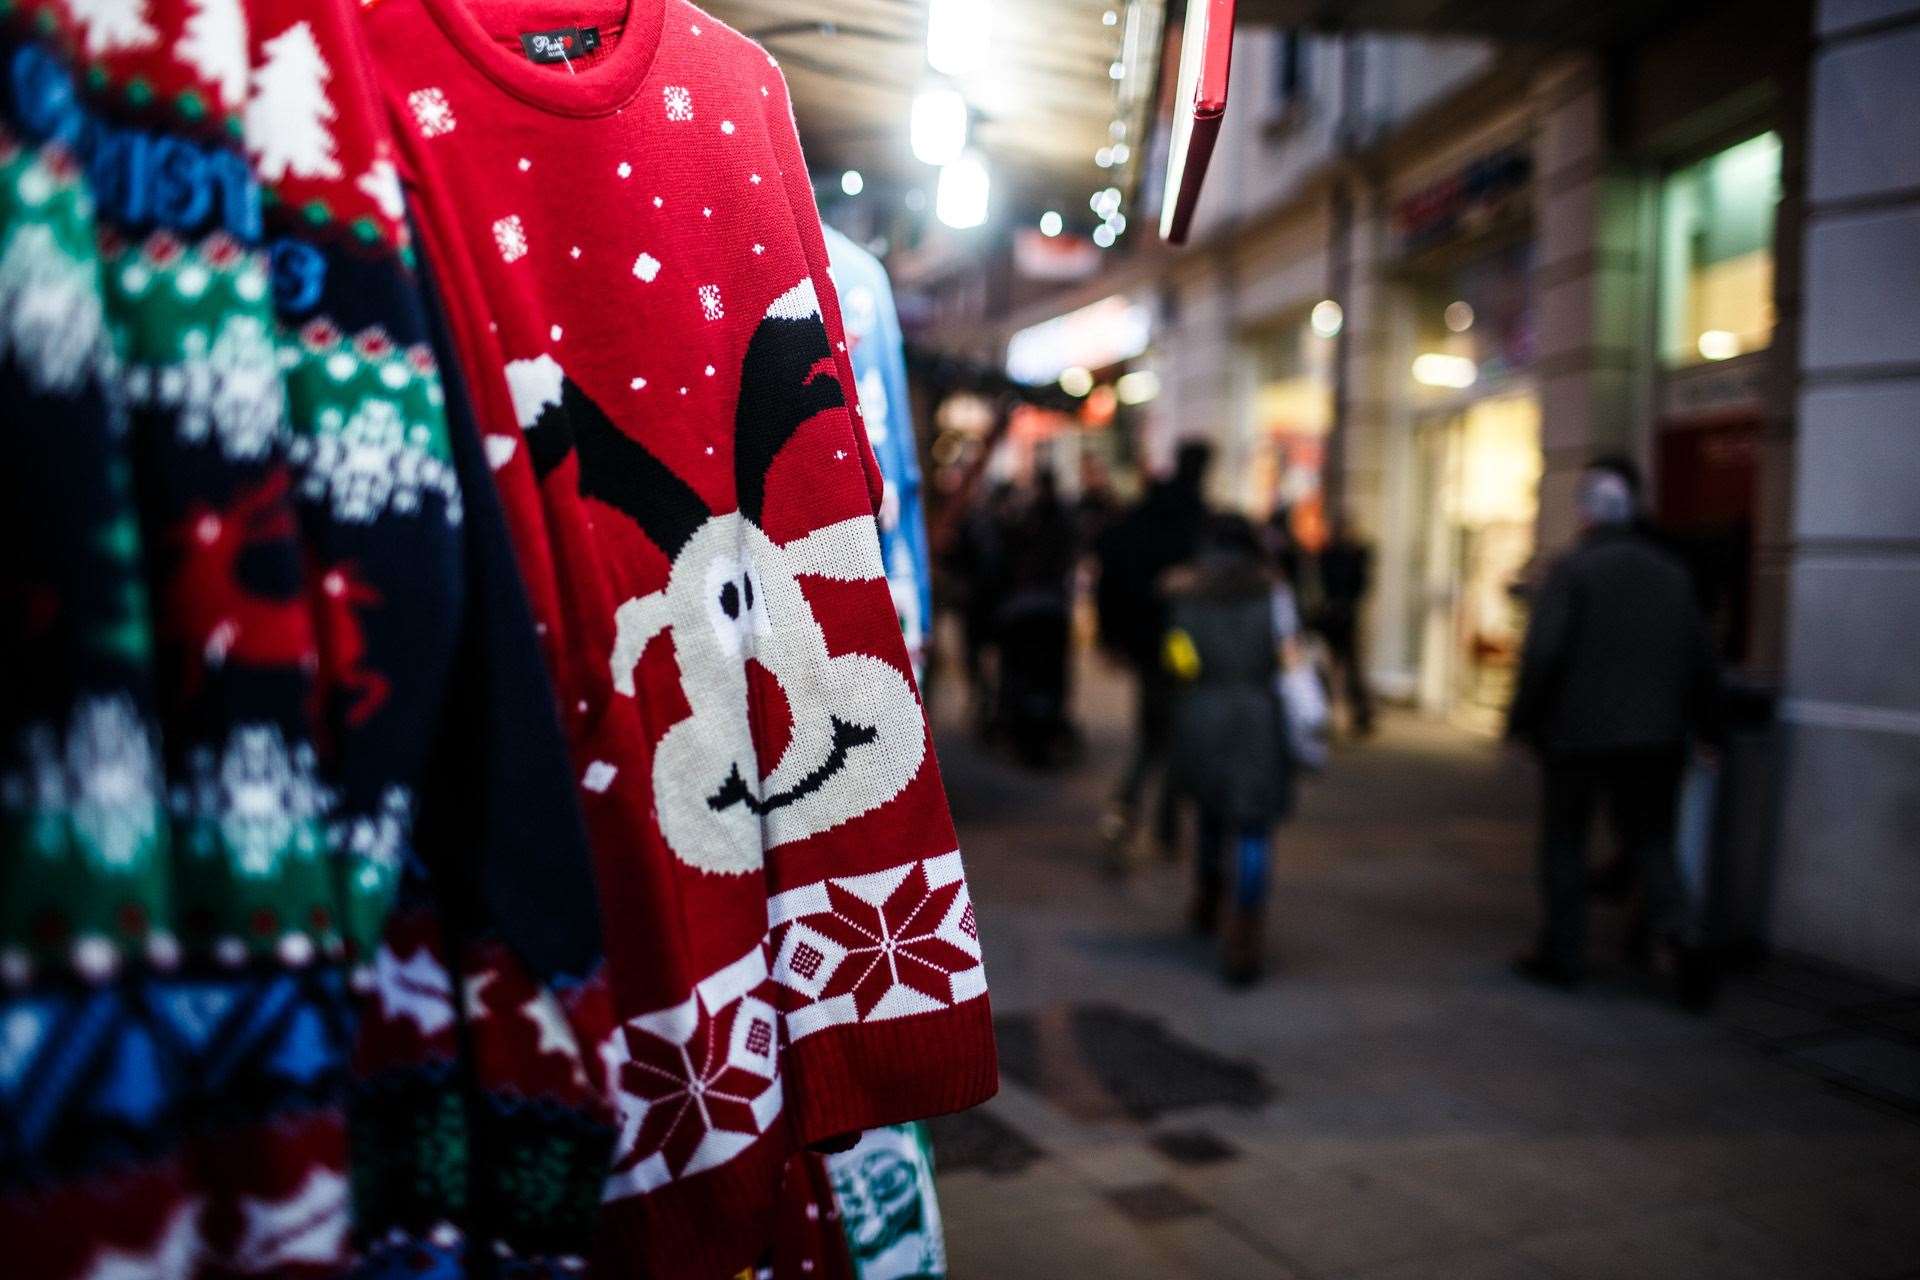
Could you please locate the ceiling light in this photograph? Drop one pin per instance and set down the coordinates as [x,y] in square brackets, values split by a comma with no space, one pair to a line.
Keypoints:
[1459,316]
[1120,152]
[1109,19]
[852,183]
[1434,369]
[1105,202]
[1327,317]
[937,126]
[958,33]
[1117,71]
[1119,223]
[1137,387]
[961,200]
[1076,381]
[1103,236]
[1104,157]
[1051,223]
[1719,344]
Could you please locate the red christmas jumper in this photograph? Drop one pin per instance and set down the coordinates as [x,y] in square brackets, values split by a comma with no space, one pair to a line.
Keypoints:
[628,247]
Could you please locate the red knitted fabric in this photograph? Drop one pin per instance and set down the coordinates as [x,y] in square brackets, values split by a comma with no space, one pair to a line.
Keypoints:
[628,246]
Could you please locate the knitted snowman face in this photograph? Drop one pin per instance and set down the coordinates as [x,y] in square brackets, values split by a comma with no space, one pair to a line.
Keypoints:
[785,739]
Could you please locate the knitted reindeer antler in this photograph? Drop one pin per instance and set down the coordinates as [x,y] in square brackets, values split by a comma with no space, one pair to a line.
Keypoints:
[787,377]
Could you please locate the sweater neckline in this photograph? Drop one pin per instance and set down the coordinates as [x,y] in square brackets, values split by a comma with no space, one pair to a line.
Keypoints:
[598,90]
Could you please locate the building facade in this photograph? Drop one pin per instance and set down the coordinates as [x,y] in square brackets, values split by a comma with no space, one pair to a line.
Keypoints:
[1432,277]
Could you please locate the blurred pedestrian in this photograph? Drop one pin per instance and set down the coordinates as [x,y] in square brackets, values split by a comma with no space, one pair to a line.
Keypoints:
[1617,677]
[1137,549]
[979,562]
[1345,570]
[1033,624]
[1232,621]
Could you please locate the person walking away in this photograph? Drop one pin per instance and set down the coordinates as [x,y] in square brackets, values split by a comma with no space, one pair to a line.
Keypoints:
[1346,572]
[1231,621]
[1616,677]
[1033,625]
[1135,552]
[979,562]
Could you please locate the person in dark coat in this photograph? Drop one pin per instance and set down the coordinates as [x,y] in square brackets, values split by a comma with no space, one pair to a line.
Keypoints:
[1616,679]
[1230,618]
[1135,553]
[1032,624]
[1346,571]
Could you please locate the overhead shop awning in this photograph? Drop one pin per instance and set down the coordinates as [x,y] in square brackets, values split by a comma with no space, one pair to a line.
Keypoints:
[1553,22]
[1059,76]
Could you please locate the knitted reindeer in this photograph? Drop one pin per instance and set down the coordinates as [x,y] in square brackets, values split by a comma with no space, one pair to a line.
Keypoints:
[752,656]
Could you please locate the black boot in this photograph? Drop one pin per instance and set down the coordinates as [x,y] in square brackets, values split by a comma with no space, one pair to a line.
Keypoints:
[1240,955]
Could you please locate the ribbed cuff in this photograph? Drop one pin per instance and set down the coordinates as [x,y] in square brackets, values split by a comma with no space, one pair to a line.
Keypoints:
[880,1073]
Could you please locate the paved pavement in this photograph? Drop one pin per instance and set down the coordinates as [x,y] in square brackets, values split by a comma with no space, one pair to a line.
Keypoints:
[1390,1104]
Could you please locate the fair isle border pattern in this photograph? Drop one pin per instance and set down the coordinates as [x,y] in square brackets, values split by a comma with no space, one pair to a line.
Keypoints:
[888,944]
[698,1083]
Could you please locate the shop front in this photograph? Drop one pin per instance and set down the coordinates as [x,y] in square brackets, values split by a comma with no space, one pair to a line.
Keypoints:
[1716,320]
[1097,354]
[1280,473]
[1462,371]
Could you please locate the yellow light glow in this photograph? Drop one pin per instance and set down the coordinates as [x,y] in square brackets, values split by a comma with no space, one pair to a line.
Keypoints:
[1137,387]
[1719,344]
[1436,369]
[1076,381]
[1327,318]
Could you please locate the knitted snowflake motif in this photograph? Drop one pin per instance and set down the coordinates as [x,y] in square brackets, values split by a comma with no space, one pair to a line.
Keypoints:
[679,103]
[431,112]
[510,237]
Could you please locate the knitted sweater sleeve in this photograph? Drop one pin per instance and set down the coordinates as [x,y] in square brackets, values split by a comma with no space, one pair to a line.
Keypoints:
[872,1042]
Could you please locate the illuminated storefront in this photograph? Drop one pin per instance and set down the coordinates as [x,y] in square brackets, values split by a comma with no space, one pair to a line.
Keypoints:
[1463,374]
[1289,412]
[1715,308]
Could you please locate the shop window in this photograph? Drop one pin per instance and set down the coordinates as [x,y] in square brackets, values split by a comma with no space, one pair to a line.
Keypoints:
[1717,223]
[1292,76]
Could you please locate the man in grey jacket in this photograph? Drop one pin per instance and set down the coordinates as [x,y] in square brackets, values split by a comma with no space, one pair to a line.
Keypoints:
[1617,677]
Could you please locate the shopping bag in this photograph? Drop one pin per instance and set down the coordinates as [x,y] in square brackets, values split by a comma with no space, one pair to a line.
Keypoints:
[1308,715]
[1693,834]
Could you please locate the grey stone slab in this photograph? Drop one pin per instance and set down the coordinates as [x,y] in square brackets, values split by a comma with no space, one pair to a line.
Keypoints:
[1213,1249]
[979,1139]
[1194,1147]
[1754,1014]
[1154,1202]
[1865,99]
[1857,467]
[1861,307]
[1499,1188]
[1332,1221]
[1889,1068]
[1869,1226]
[1481,1264]
[1844,884]
[1679,1244]
[1094,1243]
[1837,16]
[1117,1165]
[1874,603]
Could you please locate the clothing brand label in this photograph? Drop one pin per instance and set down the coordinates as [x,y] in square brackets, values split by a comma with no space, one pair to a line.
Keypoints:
[560,43]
